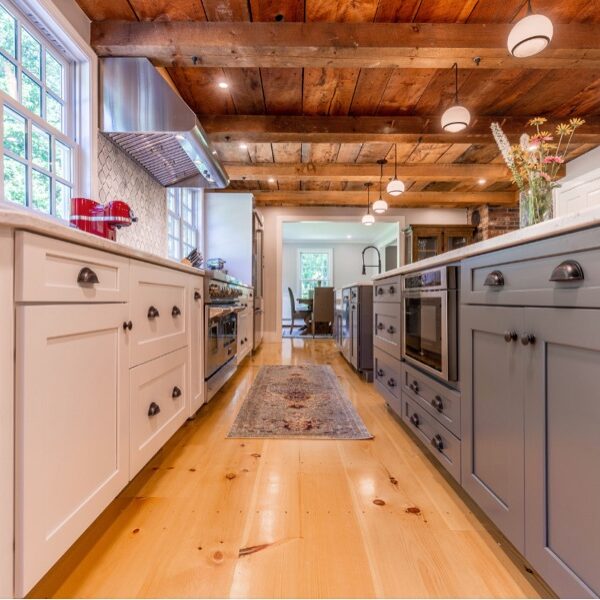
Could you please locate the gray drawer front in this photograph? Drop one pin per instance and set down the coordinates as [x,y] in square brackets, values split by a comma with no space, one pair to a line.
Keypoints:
[427,429]
[526,272]
[388,372]
[387,327]
[394,403]
[387,290]
[438,400]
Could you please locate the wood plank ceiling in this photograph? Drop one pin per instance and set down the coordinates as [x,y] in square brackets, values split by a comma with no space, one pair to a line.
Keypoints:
[368,92]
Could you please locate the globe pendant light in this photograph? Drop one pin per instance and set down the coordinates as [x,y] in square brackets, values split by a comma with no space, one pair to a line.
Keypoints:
[380,205]
[457,117]
[368,219]
[530,35]
[395,187]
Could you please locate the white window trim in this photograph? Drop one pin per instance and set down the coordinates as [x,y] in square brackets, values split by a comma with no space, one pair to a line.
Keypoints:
[309,250]
[198,218]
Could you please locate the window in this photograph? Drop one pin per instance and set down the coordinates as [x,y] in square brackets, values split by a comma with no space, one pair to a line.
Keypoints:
[184,216]
[38,142]
[314,269]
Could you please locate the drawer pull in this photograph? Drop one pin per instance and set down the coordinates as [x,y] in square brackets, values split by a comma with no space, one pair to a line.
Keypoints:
[569,270]
[127,325]
[380,291]
[390,329]
[510,336]
[176,392]
[437,442]
[392,289]
[242,342]
[391,382]
[494,279]
[153,409]
[87,277]
[437,404]
[414,419]
[176,311]
[380,326]
[527,338]
[380,373]
[197,296]
[153,313]
[414,386]
[245,339]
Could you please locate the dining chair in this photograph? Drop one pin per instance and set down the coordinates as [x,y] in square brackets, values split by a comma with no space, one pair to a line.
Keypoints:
[323,307]
[300,313]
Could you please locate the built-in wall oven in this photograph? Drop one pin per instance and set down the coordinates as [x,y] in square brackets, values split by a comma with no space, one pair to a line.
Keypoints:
[430,313]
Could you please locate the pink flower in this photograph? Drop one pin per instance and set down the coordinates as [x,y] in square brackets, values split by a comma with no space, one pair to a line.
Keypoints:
[537,139]
[546,177]
[554,160]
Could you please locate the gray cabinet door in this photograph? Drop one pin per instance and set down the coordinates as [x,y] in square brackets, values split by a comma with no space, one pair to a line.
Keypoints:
[492,415]
[563,449]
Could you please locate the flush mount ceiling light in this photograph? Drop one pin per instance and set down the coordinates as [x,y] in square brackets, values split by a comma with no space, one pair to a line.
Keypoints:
[380,205]
[395,187]
[530,35]
[368,219]
[223,85]
[271,180]
[482,181]
[243,146]
[457,117]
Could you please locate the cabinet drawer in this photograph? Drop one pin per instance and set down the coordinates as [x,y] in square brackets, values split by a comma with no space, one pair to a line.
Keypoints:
[387,328]
[439,401]
[49,270]
[387,378]
[158,405]
[159,306]
[522,275]
[387,290]
[440,442]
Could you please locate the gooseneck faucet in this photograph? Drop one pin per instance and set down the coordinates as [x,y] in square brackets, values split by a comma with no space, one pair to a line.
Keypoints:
[378,265]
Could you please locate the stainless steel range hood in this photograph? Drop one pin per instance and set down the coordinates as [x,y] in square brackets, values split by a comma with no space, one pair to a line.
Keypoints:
[151,123]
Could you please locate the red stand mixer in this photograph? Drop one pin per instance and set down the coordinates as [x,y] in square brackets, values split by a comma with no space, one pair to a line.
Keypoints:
[101,219]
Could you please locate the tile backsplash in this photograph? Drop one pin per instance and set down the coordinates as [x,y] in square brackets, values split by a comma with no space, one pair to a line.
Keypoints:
[120,178]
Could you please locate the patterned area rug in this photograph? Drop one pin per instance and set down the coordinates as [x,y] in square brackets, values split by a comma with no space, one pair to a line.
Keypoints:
[304,401]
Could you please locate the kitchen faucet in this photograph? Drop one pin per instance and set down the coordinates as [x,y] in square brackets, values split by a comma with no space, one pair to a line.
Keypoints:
[378,265]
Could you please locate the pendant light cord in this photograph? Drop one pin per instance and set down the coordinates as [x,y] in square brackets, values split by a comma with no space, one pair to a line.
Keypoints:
[395,161]
[529,9]
[380,179]
[455,67]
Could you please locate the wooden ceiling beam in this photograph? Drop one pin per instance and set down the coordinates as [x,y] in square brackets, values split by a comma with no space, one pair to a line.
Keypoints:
[406,200]
[365,172]
[330,44]
[342,129]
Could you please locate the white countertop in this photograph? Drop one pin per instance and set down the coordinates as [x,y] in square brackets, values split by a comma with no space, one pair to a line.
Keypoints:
[355,284]
[26,220]
[569,223]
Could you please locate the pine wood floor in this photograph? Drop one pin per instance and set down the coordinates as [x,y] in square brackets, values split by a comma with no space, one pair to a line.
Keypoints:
[217,517]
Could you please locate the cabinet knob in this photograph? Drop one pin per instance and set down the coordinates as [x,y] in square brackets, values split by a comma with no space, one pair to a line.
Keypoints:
[245,339]
[176,311]
[87,276]
[197,296]
[392,289]
[494,279]
[127,325]
[510,336]
[569,270]
[242,342]
[391,382]
[414,419]
[380,326]
[437,442]
[153,313]
[414,386]
[176,392]
[437,403]
[153,409]
[390,329]
[380,291]
[380,373]
[527,338]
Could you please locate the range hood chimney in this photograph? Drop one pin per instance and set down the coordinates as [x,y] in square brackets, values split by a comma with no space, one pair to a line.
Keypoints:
[150,122]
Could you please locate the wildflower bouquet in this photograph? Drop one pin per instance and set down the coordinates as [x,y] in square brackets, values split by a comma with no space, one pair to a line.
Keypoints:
[535,164]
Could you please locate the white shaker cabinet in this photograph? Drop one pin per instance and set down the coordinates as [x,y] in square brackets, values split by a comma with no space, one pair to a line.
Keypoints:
[196,347]
[72,426]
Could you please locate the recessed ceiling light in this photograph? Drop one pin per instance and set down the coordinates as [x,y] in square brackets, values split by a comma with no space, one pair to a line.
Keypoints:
[271,180]
[482,181]
[223,85]
[243,146]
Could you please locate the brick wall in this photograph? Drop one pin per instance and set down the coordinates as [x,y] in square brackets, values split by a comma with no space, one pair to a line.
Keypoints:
[494,220]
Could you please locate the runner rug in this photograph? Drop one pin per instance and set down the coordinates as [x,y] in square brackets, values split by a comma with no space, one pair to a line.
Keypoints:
[303,401]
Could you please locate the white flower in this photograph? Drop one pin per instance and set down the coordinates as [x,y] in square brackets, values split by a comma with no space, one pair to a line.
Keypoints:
[524,141]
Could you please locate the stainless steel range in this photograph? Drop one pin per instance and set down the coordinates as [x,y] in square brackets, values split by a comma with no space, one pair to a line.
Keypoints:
[221,294]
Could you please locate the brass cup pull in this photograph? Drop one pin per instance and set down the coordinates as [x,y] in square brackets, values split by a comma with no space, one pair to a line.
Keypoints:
[153,409]
[569,270]
[380,373]
[390,330]
[414,419]
[197,296]
[176,311]
[494,279]
[437,442]
[87,277]
[437,404]
[392,289]
[391,382]
[380,291]
[153,313]
[176,392]
[380,326]
[414,386]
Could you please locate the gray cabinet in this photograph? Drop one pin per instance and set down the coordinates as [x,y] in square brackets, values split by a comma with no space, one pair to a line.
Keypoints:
[492,415]
[562,449]
[356,324]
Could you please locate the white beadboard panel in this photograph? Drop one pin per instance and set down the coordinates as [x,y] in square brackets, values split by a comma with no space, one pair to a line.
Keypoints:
[120,178]
[580,189]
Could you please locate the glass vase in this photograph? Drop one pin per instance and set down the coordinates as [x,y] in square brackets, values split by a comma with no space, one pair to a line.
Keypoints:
[535,206]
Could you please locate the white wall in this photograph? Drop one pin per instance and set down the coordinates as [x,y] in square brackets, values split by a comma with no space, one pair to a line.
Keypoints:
[580,189]
[275,217]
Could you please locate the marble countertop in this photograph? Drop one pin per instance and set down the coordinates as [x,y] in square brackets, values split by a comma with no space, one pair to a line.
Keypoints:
[561,225]
[355,284]
[26,220]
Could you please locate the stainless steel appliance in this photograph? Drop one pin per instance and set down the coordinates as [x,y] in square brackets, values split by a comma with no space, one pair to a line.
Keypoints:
[222,305]
[430,314]
[258,277]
